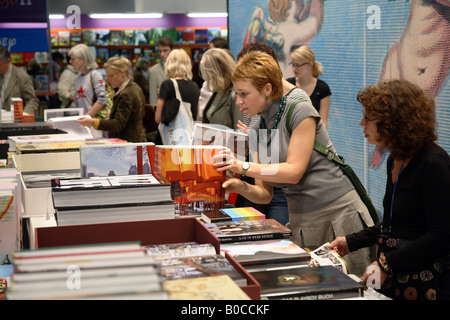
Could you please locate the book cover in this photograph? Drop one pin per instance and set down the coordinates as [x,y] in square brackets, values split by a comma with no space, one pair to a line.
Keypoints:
[102,55]
[128,37]
[140,37]
[205,288]
[265,251]
[213,33]
[162,252]
[201,36]
[249,230]
[233,214]
[171,33]
[154,34]
[102,37]
[306,283]
[115,38]
[41,83]
[200,266]
[75,37]
[64,38]
[188,36]
[89,37]
[118,159]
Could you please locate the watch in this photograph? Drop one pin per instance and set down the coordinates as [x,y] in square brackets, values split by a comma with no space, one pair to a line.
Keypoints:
[245,166]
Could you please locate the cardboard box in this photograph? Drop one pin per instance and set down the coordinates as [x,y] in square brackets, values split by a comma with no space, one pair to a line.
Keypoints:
[38,201]
[147,232]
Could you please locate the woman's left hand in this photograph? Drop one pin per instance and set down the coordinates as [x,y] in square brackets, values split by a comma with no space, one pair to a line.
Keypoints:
[225,160]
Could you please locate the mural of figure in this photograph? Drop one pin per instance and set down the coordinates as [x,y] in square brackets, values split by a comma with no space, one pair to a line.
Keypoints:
[290,24]
[422,55]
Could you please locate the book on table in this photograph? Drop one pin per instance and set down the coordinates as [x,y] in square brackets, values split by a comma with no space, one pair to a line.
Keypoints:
[252,230]
[233,214]
[307,283]
[260,252]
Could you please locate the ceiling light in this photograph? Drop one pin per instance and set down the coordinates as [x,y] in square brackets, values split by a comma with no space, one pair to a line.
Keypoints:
[207,15]
[125,15]
[56,16]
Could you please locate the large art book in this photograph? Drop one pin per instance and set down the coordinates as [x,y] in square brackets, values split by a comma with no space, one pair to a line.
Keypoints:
[249,230]
[307,283]
[265,252]
[117,159]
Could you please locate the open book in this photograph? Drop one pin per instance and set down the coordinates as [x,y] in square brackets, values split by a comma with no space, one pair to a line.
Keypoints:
[324,256]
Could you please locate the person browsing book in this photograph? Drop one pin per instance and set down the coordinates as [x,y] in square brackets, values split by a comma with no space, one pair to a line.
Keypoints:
[125,121]
[414,237]
[322,201]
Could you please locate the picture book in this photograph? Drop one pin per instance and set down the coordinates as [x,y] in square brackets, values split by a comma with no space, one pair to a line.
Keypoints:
[89,37]
[42,83]
[249,230]
[115,38]
[265,251]
[102,55]
[306,283]
[64,38]
[102,37]
[233,214]
[118,159]
[75,37]
[154,34]
[128,37]
[205,288]
[162,252]
[201,36]
[140,37]
[324,256]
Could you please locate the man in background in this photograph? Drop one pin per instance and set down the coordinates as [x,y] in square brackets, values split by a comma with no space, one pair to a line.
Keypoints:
[15,83]
[156,73]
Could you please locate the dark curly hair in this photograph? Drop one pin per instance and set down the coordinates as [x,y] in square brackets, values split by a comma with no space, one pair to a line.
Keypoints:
[405,113]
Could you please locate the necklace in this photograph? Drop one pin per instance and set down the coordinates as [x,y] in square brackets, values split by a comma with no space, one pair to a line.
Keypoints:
[262,123]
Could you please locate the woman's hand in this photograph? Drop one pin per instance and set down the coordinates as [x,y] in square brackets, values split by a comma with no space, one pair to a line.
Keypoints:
[340,246]
[225,160]
[87,122]
[241,126]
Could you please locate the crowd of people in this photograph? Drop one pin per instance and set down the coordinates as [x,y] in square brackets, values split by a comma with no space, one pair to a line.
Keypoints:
[409,248]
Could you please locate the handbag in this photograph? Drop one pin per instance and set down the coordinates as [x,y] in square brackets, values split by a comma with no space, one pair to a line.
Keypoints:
[179,130]
[110,93]
[347,169]
[170,110]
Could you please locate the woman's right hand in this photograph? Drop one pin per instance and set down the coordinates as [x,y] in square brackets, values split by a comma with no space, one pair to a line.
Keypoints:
[241,126]
[340,246]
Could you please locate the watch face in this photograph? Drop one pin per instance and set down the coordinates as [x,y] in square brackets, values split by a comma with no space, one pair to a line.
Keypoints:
[245,165]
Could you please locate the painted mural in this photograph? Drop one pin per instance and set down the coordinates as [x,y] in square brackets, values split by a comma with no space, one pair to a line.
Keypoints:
[358,43]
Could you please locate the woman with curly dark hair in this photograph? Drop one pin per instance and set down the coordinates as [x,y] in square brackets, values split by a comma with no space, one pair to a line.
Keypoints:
[414,237]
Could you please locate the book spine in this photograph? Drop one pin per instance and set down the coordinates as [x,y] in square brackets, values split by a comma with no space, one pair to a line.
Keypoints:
[253,237]
[312,296]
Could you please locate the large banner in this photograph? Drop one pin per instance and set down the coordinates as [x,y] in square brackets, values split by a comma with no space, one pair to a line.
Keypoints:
[358,42]
[23,11]
[24,40]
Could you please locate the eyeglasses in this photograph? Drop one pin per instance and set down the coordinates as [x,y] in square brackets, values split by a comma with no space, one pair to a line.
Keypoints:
[241,95]
[296,65]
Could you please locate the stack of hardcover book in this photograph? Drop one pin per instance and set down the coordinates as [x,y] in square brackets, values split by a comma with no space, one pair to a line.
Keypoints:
[98,271]
[111,199]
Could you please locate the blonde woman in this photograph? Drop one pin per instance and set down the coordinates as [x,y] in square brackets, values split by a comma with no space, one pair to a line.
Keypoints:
[126,118]
[307,71]
[89,85]
[178,67]
[216,68]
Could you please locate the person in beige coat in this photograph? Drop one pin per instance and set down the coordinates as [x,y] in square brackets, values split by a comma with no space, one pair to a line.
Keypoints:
[15,83]
[157,73]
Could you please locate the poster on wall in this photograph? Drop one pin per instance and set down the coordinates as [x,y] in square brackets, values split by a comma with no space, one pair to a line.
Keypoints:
[358,43]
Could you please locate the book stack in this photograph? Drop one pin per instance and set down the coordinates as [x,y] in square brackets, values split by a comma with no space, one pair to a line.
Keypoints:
[195,271]
[10,214]
[97,271]
[111,199]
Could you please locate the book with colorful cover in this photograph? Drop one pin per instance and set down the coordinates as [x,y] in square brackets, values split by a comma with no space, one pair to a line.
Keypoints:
[115,38]
[140,37]
[265,251]
[64,38]
[201,36]
[233,214]
[102,37]
[307,283]
[128,37]
[75,37]
[102,55]
[249,230]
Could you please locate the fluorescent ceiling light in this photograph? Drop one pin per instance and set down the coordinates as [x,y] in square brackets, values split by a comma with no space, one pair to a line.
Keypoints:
[207,15]
[56,16]
[124,15]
